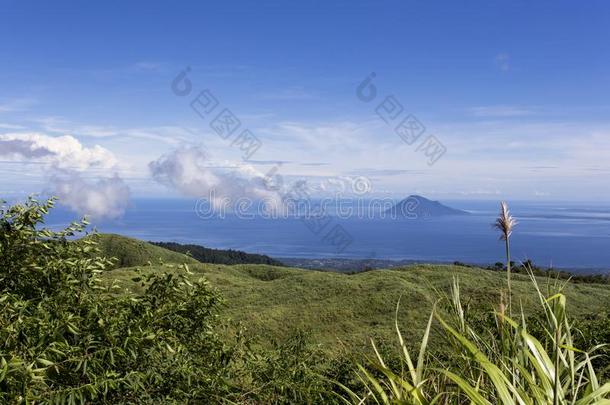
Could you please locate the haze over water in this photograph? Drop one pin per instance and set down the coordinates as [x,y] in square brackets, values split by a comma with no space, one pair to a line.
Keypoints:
[564,235]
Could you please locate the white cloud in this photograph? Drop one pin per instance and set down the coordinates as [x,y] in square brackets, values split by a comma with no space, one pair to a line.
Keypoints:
[60,160]
[104,198]
[190,171]
[511,151]
[62,152]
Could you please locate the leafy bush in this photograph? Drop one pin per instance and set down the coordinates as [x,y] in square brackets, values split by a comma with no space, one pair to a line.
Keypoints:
[65,339]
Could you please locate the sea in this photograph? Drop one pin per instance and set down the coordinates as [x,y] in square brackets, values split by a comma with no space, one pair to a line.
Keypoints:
[566,235]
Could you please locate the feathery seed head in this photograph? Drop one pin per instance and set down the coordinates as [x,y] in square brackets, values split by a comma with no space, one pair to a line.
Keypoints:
[505,222]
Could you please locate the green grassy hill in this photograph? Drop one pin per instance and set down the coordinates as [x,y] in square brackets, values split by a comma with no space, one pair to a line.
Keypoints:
[132,252]
[338,308]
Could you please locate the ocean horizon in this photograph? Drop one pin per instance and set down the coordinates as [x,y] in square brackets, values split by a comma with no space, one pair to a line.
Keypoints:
[563,235]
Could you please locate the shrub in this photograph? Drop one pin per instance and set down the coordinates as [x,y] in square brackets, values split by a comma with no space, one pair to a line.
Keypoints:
[66,339]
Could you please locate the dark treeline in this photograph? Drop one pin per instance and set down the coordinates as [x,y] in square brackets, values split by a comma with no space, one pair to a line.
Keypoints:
[218,256]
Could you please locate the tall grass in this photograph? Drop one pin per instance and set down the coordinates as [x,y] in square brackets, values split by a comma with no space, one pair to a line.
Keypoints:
[502,365]
[505,224]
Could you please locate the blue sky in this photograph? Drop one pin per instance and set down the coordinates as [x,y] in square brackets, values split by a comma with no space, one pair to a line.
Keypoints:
[516,92]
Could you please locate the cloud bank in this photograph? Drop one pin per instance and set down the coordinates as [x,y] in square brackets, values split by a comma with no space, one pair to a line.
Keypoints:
[62,152]
[189,171]
[64,158]
[104,198]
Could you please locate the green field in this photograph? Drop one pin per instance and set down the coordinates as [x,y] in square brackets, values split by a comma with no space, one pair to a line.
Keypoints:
[338,309]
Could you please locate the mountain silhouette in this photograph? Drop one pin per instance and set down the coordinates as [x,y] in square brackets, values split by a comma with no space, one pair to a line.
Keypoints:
[418,207]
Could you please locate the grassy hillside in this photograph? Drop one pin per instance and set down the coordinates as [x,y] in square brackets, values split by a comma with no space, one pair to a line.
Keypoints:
[132,252]
[334,308]
[161,338]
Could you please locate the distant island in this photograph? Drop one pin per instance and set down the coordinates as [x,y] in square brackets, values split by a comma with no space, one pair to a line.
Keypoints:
[418,207]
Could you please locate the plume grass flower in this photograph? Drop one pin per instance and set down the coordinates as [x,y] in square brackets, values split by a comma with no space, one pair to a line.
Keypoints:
[505,223]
